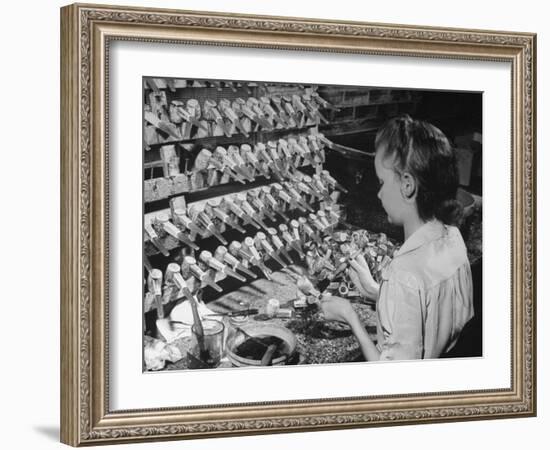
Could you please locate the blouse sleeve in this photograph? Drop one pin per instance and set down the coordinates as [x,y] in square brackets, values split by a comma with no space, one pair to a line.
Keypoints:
[400,315]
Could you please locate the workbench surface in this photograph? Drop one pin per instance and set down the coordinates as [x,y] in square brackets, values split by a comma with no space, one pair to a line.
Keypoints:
[318,341]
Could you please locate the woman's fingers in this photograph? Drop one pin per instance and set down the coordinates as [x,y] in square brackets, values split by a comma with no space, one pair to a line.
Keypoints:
[355,265]
[369,286]
[361,260]
[337,308]
[362,269]
[357,282]
[359,268]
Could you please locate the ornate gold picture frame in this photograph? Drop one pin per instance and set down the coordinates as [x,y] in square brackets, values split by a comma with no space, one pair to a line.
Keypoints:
[87,32]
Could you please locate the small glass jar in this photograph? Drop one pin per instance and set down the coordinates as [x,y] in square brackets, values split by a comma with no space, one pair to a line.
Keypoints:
[233,329]
[206,350]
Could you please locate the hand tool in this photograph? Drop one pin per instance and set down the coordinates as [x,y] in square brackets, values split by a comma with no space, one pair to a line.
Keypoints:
[223,255]
[200,274]
[218,266]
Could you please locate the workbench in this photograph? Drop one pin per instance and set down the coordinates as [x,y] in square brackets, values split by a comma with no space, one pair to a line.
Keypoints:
[318,342]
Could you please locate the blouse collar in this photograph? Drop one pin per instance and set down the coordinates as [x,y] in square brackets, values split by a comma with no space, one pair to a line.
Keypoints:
[428,232]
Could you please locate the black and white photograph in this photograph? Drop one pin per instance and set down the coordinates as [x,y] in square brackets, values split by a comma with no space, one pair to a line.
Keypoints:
[288,224]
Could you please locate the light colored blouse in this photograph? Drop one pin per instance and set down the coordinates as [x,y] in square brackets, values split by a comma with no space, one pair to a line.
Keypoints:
[426,295]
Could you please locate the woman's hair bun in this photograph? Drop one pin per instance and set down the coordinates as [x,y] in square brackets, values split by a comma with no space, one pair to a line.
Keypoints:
[449,211]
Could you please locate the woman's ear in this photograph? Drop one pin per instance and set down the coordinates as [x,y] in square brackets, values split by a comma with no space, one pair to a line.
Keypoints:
[408,186]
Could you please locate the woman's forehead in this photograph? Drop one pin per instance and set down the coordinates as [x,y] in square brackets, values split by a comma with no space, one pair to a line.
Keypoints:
[377,157]
[382,161]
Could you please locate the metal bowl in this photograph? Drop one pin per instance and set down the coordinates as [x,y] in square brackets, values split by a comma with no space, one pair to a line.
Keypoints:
[257,331]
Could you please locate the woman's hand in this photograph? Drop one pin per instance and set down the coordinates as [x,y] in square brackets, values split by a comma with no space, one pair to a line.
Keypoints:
[362,278]
[337,308]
